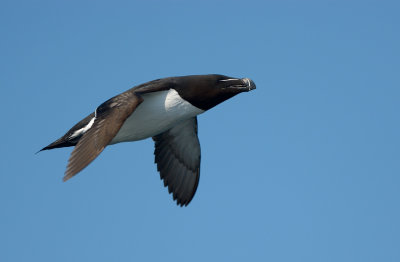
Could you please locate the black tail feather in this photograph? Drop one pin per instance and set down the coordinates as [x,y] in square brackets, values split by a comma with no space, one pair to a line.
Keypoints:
[61,142]
[66,141]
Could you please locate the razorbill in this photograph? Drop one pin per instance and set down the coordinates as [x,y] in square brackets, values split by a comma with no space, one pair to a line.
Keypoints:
[165,109]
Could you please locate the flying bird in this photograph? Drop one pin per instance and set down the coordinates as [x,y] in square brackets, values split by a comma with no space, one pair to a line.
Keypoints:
[165,109]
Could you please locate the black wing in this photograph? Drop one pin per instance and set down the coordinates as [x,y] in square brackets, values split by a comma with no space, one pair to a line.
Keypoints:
[177,154]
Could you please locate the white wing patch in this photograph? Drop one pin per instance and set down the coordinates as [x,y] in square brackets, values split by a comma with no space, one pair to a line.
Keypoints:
[83,129]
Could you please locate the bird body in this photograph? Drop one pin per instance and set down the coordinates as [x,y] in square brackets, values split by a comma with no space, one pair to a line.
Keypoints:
[159,112]
[164,109]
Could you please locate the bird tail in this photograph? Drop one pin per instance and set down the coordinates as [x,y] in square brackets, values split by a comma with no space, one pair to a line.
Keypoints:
[61,142]
[70,138]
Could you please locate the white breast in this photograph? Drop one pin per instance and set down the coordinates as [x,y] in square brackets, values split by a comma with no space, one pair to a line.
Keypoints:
[157,113]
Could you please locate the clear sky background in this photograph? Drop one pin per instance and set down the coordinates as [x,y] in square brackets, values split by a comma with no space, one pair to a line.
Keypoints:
[305,168]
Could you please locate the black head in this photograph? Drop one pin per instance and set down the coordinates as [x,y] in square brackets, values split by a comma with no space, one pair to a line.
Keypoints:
[207,91]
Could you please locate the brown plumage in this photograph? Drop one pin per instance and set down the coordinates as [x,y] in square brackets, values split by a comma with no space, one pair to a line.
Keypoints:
[168,110]
[108,120]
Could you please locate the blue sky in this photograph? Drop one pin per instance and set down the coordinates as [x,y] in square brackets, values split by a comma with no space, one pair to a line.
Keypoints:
[305,168]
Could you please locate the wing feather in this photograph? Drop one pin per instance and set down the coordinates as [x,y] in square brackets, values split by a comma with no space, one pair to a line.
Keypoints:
[109,117]
[177,155]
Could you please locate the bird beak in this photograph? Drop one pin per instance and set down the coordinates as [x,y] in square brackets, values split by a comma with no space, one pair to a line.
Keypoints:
[239,85]
[249,84]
